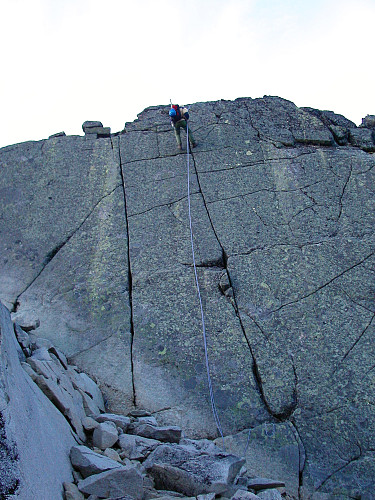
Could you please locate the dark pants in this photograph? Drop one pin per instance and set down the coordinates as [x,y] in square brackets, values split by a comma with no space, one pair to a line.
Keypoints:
[177,126]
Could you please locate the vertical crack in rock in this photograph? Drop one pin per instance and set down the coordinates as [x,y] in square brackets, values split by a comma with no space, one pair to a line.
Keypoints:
[343,192]
[130,279]
[302,459]
[255,368]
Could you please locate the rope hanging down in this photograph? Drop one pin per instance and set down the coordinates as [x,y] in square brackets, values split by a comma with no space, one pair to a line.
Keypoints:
[213,405]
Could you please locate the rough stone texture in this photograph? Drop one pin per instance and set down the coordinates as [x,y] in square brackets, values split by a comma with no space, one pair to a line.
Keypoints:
[72,492]
[244,495]
[136,447]
[66,257]
[119,420]
[363,138]
[33,462]
[283,221]
[88,462]
[171,434]
[89,124]
[105,435]
[113,484]
[271,494]
[191,472]
[272,451]
[368,121]
[58,134]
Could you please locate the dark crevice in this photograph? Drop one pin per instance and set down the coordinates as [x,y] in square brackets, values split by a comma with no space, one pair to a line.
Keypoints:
[343,192]
[302,459]
[209,264]
[130,280]
[255,368]
[172,155]
[15,306]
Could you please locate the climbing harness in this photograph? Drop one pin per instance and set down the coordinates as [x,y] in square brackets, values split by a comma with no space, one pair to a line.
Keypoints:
[212,398]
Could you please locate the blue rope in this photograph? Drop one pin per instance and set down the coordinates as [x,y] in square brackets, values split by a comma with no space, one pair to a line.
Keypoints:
[212,399]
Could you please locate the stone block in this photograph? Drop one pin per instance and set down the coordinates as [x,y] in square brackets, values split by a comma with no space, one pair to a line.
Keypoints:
[58,134]
[244,495]
[87,462]
[169,434]
[190,471]
[262,483]
[114,483]
[89,424]
[87,125]
[362,138]
[72,492]
[105,435]
[119,420]
[368,121]
[136,447]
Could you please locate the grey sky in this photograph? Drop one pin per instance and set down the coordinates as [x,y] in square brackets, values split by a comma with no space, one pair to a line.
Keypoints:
[67,61]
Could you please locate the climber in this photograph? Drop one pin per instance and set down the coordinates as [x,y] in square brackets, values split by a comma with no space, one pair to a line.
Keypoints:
[179,117]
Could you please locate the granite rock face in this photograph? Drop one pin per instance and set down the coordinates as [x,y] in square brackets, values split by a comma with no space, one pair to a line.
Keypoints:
[95,242]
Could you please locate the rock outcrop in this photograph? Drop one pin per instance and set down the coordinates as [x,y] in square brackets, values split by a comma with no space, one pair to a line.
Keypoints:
[95,246]
[35,438]
[118,460]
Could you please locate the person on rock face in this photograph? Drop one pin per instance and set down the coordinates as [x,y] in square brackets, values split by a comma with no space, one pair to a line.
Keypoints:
[179,117]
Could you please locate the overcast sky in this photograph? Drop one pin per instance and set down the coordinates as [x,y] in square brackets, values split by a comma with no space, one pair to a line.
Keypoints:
[67,61]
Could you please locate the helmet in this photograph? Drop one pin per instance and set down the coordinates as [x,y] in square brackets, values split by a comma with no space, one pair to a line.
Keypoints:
[172,112]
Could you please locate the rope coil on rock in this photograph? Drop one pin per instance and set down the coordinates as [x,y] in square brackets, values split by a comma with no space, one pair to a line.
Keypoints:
[212,398]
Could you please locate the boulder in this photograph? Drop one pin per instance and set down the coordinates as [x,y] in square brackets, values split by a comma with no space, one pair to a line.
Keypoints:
[87,462]
[170,434]
[72,492]
[271,494]
[58,134]
[368,121]
[28,321]
[271,451]
[113,484]
[22,337]
[119,420]
[150,420]
[244,495]
[105,435]
[90,407]
[262,483]
[112,454]
[188,471]
[340,134]
[139,413]
[362,138]
[87,125]
[136,447]
[89,424]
